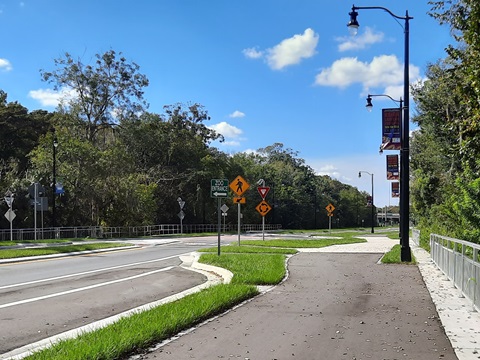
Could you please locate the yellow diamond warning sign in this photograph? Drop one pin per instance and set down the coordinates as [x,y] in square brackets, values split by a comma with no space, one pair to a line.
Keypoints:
[263,208]
[239,185]
[330,208]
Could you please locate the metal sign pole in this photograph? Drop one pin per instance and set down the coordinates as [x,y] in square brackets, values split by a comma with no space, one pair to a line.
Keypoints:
[263,227]
[219,224]
[35,199]
[239,213]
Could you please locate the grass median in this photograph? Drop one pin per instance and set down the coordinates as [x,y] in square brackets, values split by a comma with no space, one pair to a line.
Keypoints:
[54,250]
[251,264]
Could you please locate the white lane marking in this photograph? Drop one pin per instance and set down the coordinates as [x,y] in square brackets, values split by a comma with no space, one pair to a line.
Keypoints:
[21,302]
[87,272]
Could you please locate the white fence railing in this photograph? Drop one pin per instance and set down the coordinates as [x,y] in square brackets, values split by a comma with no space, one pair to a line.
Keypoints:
[99,232]
[460,262]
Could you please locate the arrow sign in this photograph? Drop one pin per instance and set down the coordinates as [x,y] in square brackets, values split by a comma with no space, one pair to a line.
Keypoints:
[219,194]
[218,188]
[263,190]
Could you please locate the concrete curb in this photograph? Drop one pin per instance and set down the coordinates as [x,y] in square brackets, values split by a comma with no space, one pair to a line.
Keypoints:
[215,276]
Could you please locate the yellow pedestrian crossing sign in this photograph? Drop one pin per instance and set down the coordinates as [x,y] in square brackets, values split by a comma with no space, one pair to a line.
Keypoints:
[239,185]
[330,208]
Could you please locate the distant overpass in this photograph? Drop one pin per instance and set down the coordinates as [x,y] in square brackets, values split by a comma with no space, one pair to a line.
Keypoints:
[388,218]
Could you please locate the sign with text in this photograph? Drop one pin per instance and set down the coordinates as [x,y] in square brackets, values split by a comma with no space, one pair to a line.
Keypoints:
[391,129]
[395,189]
[219,188]
[392,167]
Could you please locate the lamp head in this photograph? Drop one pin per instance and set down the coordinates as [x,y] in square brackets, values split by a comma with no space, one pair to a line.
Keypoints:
[353,23]
[369,105]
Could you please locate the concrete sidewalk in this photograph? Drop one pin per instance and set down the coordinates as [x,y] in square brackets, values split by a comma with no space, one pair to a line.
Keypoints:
[339,303]
[459,319]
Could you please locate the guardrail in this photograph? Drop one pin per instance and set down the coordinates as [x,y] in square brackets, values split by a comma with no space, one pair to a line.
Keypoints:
[100,232]
[460,262]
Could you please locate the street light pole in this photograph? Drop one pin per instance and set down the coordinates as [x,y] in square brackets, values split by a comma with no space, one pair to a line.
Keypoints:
[369,107]
[373,207]
[54,180]
[405,147]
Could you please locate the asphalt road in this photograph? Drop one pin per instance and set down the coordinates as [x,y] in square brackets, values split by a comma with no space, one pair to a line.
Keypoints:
[332,306]
[42,298]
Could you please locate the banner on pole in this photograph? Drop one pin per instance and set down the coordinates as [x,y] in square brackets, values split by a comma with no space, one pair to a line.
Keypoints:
[391,129]
[395,189]
[392,167]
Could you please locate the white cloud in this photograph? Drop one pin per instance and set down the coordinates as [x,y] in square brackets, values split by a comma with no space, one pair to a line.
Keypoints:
[292,50]
[359,42]
[237,114]
[232,143]
[49,97]
[5,65]
[227,130]
[345,169]
[252,53]
[288,52]
[383,71]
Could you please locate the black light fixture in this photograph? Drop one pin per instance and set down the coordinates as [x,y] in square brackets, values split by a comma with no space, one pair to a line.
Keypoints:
[353,25]
[369,105]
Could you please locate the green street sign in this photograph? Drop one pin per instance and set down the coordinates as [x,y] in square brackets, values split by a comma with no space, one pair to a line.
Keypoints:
[219,188]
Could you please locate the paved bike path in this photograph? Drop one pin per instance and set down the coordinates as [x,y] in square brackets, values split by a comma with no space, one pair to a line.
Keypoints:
[340,303]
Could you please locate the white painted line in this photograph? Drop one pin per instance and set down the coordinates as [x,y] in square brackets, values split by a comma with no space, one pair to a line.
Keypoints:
[87,272]
[21,302]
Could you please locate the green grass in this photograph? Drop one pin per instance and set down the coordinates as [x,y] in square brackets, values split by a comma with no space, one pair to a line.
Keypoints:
[46,241]
[138,332]
[51,250]
[297,244]
[394,256]
[252,269]
[245,249]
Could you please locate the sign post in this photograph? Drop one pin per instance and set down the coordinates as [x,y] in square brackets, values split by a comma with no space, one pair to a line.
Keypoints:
[224,209]
[239,186]
[219,190]
[330,209]
[10,214]
[181,214]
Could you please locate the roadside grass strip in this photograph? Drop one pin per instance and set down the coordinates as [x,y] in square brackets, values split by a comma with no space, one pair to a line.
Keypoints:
[297,244]
[131,335]
[252,269]
[248,249]
[49,241]
[394,256]
[52,250]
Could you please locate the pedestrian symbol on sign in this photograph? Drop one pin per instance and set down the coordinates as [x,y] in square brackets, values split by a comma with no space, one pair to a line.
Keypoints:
[239,185]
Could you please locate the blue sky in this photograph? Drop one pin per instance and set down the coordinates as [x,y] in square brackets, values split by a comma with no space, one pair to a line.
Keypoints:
[267,71]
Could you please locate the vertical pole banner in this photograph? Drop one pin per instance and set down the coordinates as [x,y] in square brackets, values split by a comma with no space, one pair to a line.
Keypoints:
[392,167]
[391,129]
[395,189]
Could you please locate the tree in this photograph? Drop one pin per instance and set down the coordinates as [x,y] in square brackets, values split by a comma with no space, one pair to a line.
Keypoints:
[101,95]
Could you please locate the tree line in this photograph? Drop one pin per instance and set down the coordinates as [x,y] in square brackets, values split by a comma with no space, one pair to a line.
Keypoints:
[120,165]
[445,154]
